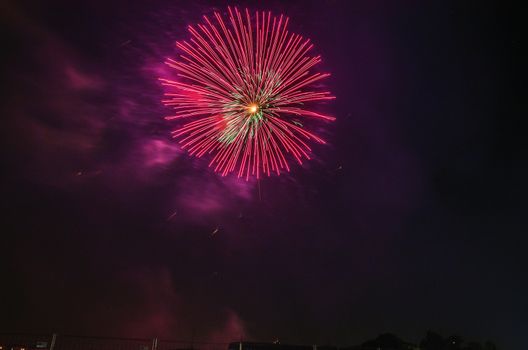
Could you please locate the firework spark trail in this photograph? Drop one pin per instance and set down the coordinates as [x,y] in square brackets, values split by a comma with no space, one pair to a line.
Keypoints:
[241,84]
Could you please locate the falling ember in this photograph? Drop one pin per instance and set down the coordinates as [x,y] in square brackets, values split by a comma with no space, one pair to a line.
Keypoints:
[240,84]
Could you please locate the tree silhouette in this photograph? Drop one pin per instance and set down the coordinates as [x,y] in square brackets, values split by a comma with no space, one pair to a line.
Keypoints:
[386,341]
[489,345]
[474,346]
[432,341]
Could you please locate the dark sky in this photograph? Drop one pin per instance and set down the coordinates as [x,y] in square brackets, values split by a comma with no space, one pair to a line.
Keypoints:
[412,217]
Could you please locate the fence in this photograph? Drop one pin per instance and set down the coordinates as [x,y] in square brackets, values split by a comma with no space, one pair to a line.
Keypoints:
[20,341]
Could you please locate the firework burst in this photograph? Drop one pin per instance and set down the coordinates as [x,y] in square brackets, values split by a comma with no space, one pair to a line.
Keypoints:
[243,83]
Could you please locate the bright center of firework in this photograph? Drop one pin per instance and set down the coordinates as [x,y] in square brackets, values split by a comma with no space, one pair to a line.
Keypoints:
[252,108]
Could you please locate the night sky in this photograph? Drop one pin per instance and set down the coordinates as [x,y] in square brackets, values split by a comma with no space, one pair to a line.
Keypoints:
[412,217]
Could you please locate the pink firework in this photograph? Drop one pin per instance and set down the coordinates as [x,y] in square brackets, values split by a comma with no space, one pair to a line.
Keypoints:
[243,84]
